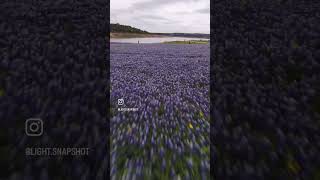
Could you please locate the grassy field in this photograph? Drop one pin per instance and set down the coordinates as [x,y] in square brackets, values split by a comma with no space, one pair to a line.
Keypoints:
[188,42]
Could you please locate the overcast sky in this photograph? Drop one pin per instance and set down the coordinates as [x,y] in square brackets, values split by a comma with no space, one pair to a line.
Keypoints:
[164,16]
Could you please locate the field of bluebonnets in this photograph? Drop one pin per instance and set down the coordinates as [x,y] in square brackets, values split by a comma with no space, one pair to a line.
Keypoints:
[266,89]
[168,137]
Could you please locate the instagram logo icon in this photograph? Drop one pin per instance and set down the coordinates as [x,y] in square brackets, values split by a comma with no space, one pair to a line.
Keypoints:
[34,127]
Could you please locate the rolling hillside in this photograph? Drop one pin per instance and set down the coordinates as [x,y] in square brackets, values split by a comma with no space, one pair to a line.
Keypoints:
[118,28]
[124,31]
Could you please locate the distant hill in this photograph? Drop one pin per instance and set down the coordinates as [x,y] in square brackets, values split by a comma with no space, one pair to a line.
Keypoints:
[191,35]
[118,28]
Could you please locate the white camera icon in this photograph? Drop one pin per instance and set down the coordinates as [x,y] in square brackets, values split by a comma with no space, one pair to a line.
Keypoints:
[120,102]
[34,127]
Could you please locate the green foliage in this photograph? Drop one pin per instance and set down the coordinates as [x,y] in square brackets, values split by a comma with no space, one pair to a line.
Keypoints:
[294,73]
[118,28]
[2,92]
[316,104]
[292,165]
[316,174]
[161,110]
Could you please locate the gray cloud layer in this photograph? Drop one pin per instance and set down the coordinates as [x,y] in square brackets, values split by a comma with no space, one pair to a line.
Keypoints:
[189,16]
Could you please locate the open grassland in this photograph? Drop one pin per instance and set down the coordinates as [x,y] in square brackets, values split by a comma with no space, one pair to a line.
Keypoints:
[188,42]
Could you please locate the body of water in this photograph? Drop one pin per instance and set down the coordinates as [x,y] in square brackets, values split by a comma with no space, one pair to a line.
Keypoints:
[153,39]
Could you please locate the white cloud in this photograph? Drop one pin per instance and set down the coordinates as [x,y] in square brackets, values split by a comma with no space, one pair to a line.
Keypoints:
[186,16]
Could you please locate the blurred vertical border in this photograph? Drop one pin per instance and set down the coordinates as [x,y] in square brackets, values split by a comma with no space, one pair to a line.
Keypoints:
[54,66]
[265,89]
